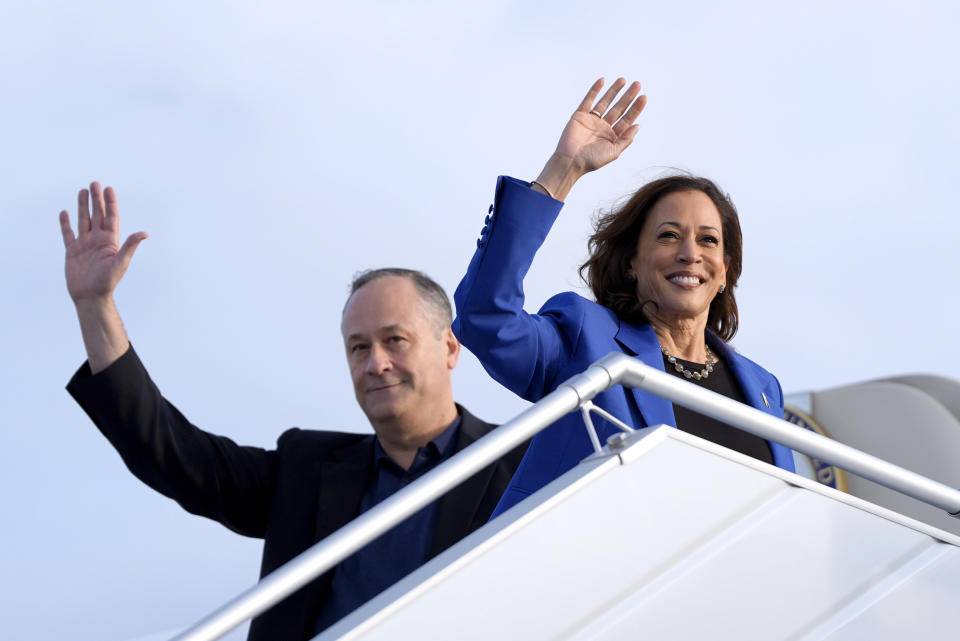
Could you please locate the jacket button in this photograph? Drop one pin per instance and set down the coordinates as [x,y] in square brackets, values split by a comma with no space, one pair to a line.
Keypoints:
[490,211]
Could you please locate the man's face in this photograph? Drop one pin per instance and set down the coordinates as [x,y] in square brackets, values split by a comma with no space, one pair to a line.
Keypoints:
[400,359]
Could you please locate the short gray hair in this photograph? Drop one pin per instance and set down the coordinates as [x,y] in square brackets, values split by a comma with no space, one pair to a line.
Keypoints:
[432,294]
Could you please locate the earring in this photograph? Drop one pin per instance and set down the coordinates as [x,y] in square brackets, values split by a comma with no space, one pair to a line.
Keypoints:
[723,288]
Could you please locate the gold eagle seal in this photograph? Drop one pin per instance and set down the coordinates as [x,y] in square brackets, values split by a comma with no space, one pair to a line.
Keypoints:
[824,473]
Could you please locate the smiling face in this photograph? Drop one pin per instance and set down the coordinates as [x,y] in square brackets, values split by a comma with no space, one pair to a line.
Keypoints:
[401,356]
[679,263]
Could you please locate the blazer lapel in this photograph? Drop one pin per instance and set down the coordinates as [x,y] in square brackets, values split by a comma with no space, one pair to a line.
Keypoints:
[342,483]
[754,390]
[459,506]
[642,342]
[340,478]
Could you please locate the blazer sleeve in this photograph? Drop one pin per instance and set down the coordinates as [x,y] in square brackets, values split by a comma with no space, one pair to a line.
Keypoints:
[206,474]
[521,351]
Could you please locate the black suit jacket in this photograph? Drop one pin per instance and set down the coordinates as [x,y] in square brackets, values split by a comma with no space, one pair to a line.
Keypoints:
[292,497]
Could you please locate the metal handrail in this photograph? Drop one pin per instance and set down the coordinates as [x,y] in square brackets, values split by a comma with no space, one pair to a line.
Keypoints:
[570,395]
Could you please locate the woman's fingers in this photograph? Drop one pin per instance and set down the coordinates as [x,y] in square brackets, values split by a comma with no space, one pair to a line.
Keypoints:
[632,112]
[591,96]
[624,139]
[605,101]
[621,105]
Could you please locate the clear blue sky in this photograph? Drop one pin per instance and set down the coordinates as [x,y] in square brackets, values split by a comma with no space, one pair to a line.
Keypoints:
[273,149]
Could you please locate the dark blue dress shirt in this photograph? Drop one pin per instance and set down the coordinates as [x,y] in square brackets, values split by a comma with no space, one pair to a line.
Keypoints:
[392,556]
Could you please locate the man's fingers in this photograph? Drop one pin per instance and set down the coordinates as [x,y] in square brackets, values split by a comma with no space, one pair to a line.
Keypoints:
[111,220]
[130,246]
[591,96]
[96,195]
[83,211]
[68,236]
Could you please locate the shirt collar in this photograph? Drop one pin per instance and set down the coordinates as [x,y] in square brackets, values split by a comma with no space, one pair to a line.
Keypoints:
[440,448]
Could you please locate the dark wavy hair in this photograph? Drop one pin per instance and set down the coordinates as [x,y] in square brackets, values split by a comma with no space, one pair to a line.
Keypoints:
[614,244]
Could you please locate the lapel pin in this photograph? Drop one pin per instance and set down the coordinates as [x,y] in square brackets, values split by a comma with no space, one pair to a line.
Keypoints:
[765,401]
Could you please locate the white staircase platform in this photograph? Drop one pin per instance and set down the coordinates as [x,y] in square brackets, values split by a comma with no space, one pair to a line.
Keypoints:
[675,537]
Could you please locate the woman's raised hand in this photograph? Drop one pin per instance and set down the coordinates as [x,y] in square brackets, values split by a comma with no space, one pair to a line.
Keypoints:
[596,134]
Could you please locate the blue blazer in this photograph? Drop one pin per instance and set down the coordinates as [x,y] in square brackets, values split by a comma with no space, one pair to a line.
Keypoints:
[531,354]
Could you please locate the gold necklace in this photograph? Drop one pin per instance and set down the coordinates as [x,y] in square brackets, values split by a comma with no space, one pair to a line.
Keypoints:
[702,374]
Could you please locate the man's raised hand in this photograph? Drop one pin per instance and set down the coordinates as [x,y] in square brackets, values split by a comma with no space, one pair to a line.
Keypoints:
[95,261]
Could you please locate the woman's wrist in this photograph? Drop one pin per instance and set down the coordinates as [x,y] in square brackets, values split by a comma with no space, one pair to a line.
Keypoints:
[558,176]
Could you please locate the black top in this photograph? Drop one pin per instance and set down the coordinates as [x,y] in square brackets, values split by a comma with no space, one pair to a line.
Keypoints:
[722,382]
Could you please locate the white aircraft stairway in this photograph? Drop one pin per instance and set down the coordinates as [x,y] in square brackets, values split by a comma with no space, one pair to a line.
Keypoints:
[673,537]
[658,535]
